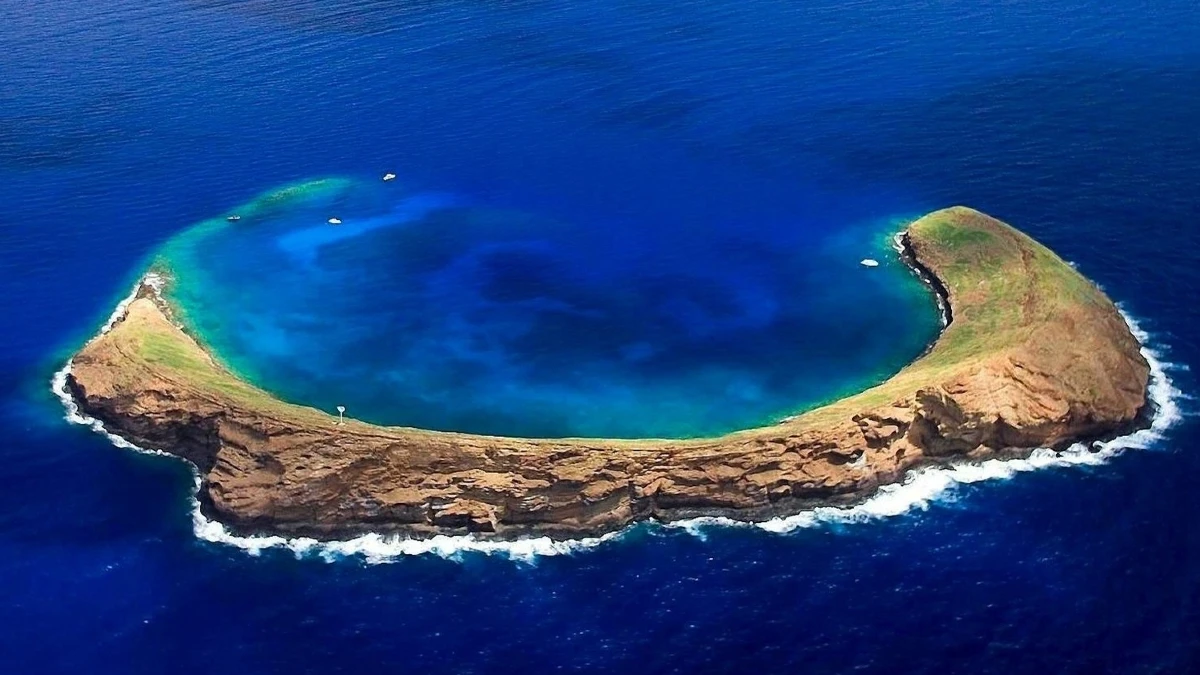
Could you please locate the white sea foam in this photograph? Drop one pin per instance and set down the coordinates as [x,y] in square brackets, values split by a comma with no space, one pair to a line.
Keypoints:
[923,487]
[917,491]
[376,548]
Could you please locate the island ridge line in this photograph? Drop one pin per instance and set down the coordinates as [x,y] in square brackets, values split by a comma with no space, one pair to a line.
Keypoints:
[1035,356]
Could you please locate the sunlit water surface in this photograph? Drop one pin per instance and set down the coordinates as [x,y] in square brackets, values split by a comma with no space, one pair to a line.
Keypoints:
[630,218]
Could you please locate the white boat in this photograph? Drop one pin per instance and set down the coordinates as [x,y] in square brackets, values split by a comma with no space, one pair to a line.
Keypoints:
[389,176]
[868,262]
[335,221]
[234,218]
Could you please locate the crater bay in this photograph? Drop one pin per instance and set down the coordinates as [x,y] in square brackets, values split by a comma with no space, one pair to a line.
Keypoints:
[439,311]
[1033,356]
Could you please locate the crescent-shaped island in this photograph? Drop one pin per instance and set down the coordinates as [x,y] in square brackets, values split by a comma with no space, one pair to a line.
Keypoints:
[1032,355]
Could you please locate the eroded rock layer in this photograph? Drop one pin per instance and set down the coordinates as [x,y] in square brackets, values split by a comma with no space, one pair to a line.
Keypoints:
[1036,356]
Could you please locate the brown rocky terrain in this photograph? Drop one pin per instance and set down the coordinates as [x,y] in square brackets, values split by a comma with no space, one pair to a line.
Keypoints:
[1036,356]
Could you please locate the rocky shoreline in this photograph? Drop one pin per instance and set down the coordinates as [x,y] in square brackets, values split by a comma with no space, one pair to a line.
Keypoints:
[1034,356]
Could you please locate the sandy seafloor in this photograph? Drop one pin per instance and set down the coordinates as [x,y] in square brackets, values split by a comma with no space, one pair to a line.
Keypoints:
[769,146]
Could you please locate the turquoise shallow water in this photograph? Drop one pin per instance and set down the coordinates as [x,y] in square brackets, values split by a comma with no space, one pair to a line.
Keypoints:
[443,310]
[797,129]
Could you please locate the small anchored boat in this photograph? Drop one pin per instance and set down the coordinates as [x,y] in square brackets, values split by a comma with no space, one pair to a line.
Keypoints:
[335,221]
[234,218]
[868,262]
[389,176]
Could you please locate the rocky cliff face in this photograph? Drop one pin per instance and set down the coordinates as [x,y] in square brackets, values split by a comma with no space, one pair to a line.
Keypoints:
[1035,357]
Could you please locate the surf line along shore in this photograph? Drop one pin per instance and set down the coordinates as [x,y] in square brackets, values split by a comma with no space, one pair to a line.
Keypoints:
[1035,356]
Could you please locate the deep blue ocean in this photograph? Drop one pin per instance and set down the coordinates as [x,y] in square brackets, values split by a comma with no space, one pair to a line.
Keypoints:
[624,218]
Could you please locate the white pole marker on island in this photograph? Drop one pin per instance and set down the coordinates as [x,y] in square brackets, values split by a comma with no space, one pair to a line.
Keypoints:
[341,414]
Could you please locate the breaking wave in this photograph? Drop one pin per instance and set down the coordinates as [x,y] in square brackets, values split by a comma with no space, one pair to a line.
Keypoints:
[919,489]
